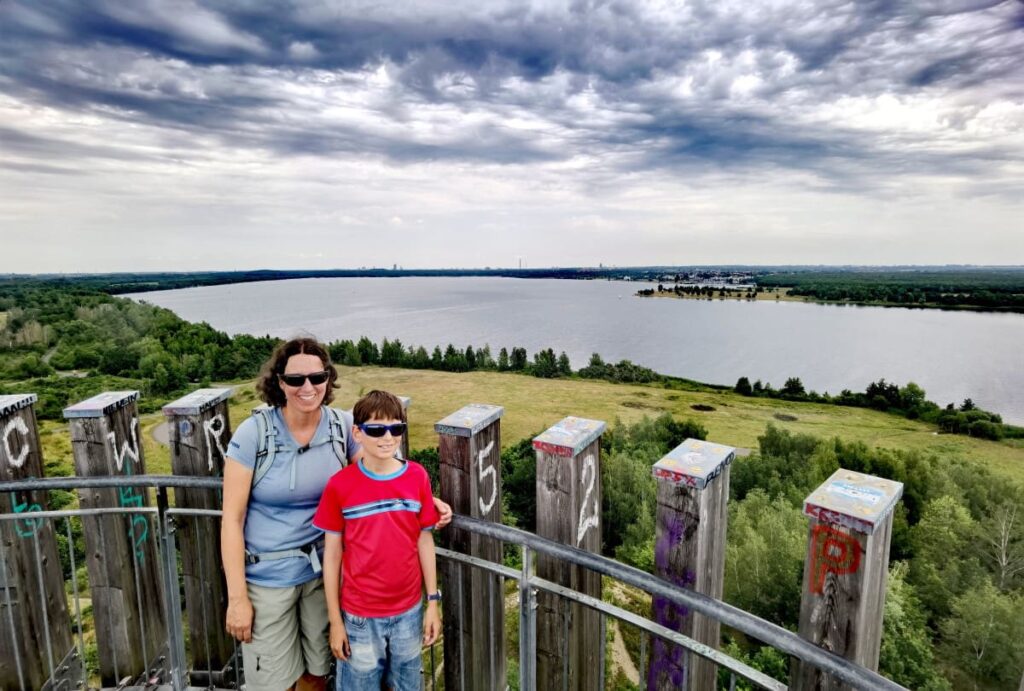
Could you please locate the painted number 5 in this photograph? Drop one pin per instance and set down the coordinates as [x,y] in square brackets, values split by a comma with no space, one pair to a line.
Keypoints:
[588,478]
[482,473]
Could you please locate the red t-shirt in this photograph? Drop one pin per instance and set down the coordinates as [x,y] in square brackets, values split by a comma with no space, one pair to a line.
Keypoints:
[380,518]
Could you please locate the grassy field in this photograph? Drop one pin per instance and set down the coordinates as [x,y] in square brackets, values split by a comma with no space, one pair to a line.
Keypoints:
[532,405]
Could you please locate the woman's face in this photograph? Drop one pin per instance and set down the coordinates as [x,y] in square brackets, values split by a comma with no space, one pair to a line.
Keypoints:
[307,397]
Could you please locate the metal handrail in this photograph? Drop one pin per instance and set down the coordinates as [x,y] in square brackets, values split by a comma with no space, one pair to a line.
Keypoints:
[785,641]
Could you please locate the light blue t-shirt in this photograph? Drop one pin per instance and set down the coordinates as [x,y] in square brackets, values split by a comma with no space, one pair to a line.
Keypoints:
[279,515]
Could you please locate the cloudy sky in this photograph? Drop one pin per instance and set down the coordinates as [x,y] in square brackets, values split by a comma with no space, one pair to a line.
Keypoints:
[189,135]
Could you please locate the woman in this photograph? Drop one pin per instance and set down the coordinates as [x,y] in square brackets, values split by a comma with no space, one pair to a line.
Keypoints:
[270,549]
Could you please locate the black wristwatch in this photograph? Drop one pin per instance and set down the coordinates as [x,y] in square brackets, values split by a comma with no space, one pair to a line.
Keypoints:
[434,597]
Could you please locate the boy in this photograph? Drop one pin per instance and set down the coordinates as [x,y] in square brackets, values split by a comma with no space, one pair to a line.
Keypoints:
[379,511]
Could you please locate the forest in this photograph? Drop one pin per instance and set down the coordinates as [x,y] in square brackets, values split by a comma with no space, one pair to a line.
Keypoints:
[976,288]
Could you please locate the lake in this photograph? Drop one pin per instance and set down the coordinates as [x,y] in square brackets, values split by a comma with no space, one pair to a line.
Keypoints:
[952,355]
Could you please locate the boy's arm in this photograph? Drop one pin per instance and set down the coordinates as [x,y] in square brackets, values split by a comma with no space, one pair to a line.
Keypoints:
[428,565]
[332,581]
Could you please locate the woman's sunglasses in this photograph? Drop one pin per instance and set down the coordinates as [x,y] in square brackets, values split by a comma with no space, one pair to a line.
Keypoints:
[375,429]
[297,380]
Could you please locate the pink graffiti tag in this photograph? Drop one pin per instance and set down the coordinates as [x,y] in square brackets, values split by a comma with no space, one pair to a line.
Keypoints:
[832,551]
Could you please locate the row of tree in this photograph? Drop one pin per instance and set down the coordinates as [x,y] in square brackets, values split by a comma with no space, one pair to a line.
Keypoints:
[978,288]
[908,401]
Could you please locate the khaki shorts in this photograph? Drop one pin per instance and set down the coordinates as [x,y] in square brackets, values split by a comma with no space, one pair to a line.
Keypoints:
[289,636]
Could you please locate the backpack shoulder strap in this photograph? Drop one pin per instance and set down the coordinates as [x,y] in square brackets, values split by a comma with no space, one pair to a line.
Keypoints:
[339,434]
[266,445]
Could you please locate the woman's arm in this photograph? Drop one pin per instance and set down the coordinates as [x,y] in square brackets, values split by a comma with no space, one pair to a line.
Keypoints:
[428,565]
[332,581]
[237,485]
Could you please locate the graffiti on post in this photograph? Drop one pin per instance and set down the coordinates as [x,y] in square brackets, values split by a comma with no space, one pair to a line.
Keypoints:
[586,521]
[482,473]
[832,551]
[214,428]
[26,527]
[15,424]
[668,661]
[138,528]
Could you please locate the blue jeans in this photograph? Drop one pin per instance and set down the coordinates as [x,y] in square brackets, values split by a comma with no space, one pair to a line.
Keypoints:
[383,648]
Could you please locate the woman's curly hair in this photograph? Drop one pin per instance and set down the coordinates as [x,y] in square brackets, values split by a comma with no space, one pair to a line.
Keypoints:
[268,386]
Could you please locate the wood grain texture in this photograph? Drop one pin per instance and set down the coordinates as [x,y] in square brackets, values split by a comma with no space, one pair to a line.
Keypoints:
[843,599]
[121,550]
[35,629]
[198,445]
[569,642]
[473,612]
[689,551]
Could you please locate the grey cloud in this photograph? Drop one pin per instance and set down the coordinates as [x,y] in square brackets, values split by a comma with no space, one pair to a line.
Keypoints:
[463,56]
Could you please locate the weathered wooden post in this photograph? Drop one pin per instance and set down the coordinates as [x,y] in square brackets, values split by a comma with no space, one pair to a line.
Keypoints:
[569,634]
[35,631]
[845,572]
[469,448]
[121,549]
[199,431]
[689,551]
[404,446]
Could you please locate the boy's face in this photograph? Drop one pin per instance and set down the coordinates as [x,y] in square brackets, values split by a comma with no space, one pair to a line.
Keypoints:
[378,448]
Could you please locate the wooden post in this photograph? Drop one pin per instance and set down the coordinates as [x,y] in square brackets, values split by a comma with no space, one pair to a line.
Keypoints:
[404,446]
[845,572]
[474,617]
[121,549]
[35,631]
[569,642]
[689,551]
[199,433]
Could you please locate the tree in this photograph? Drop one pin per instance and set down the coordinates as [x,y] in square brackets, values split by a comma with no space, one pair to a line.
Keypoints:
[368,352]
[793,387]
[743,387]
[564,367]
[517,362]
[984,635]
[942,566]
[503,359]
[392,353]
[1002,544]
[907,656]
[544,364]
[765,557]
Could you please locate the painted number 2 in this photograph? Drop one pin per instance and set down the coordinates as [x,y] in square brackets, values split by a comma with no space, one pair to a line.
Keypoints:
[588,477]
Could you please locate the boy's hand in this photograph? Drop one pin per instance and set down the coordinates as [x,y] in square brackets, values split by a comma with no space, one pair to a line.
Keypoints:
[431,624]
[339,642]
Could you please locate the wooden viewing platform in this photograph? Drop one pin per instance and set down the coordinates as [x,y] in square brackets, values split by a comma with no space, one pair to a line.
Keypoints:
[159,624]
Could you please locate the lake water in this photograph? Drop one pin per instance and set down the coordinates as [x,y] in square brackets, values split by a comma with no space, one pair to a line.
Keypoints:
[952,355]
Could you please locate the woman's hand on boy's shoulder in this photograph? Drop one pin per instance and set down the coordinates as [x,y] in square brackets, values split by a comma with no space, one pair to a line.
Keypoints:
[444,511]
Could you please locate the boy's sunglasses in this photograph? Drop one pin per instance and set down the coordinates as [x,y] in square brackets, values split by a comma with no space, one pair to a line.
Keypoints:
[297,380]
[375,429]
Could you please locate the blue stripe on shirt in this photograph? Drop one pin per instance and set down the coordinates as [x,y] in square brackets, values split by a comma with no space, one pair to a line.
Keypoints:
[381,506]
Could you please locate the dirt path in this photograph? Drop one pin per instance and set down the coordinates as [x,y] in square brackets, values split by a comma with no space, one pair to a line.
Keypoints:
[161,434]
[620,656]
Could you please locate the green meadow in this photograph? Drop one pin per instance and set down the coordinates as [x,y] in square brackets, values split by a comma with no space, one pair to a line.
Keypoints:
[532,404]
